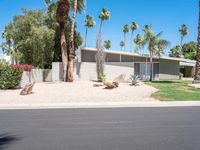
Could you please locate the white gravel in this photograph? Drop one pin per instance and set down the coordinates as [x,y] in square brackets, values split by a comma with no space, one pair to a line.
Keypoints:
[78,92]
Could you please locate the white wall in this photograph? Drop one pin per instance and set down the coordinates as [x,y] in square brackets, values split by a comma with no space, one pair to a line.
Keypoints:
[36,75]
[87,71]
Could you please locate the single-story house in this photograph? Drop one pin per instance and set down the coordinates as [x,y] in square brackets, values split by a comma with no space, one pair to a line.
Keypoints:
[116,62]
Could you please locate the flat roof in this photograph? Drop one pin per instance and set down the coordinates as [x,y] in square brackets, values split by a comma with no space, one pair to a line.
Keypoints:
[140,55]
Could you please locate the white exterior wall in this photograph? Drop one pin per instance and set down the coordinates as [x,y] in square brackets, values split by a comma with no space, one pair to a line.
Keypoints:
[36,75]
[88,71]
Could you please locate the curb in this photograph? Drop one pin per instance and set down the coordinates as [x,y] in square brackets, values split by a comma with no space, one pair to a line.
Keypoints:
[99,105]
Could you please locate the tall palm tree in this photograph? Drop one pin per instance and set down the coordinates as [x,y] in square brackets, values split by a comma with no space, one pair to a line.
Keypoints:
[62,14]
[134,26]
[125,30]
[154,44]
[122,44]
[78,5]
[183,31]
[89,23]
[100,57]
[197,70]
[107,44]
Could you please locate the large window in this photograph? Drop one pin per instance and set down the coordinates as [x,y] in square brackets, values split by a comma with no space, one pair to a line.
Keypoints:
[143,70]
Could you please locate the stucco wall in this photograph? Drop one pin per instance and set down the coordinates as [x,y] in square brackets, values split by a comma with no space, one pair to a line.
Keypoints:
[87,71]
[169,70]
[36,75]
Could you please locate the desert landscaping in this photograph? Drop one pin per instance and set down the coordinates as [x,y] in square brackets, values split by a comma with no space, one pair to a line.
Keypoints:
[77,93]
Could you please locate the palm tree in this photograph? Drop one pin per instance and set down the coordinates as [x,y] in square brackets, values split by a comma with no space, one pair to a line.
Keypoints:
[183,31]
[104,15]
[154,44]
[100,57]
[125,30]
[197,71]
[134,26]
[62,14]
[122,44]
[138,42]
[78,5]
[107,44]
[176,52]
[89,23]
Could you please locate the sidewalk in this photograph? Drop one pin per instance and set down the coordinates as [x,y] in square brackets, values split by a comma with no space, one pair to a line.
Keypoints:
[100,105]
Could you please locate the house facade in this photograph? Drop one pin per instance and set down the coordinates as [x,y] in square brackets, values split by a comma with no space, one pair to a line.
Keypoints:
[164,68]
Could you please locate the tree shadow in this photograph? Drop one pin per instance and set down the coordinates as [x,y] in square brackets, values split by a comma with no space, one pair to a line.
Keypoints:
[7,139]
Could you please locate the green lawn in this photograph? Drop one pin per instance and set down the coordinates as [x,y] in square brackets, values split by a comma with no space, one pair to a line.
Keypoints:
[175,91]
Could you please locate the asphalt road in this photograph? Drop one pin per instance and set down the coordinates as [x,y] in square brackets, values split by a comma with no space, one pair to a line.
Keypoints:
[101,129]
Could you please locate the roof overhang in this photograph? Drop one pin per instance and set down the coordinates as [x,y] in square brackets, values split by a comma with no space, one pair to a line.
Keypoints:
[140,55]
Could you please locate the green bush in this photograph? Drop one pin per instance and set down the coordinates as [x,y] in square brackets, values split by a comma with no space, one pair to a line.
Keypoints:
[10,76]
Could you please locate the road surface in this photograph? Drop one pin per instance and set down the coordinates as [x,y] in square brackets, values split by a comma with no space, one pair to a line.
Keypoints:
[101,129]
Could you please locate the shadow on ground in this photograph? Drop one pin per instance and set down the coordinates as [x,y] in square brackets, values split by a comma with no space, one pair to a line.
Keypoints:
[7,139]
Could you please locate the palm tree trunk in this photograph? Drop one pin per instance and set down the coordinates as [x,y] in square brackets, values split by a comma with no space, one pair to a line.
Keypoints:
[63,49]
[181,42]
[86,31]
[124,41]
[71,50]
[151,66]
[100,54]
[197,71]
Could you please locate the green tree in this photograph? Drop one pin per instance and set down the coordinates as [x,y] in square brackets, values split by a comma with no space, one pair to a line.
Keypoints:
[197,70]
[134,26]
[154,44]
[62,14]
[8,46]
[138,41]
[125,30]
[176,52]
[189,50]
[89,23]
[52,24]
[107,44]
[32,39]
[184,32]
[122,44]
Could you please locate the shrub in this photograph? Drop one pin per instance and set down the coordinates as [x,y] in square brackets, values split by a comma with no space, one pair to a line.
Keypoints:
[134,80]
[10,76]
[102,78]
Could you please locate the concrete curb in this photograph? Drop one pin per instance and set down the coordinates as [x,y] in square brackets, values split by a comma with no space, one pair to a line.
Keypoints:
[100,105]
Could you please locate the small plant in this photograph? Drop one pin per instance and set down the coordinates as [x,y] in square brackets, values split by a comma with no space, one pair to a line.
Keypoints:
[102,78]
[134,80]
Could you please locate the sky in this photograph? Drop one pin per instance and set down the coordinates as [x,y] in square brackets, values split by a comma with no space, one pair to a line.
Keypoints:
[162,15]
